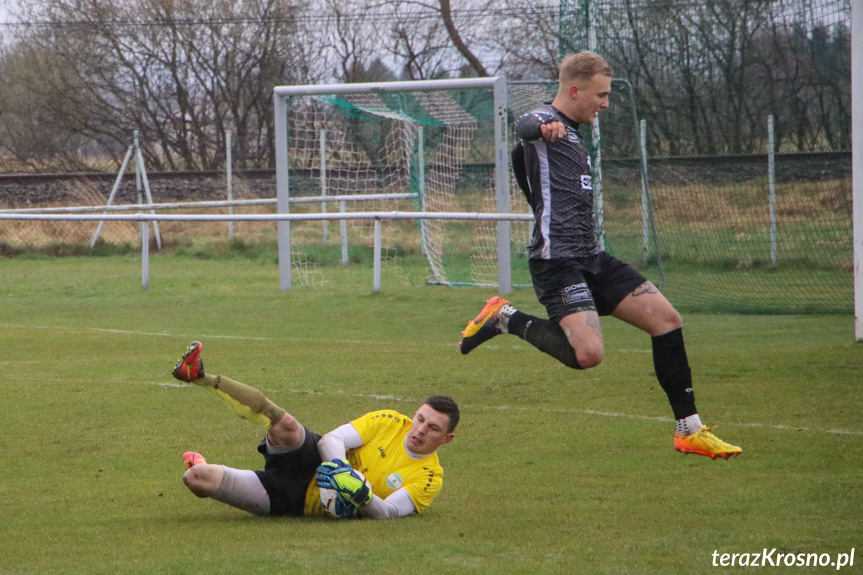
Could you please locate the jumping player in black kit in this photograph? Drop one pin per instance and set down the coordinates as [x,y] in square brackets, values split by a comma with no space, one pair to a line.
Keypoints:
[573,278]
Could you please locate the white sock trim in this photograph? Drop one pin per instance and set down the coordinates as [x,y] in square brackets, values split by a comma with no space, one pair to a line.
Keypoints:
[689,425]
[503,315]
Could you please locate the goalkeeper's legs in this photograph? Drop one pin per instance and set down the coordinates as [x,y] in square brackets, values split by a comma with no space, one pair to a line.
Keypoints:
[242,399]
[238,488]
[287,434]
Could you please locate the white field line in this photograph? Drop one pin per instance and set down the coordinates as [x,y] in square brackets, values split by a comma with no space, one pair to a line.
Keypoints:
[405,400]
[202,336]
[544,409]
[127,332]
[252,338]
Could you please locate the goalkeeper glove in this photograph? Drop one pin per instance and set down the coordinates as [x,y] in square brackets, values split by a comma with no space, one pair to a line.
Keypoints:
[341,507]
[339,475]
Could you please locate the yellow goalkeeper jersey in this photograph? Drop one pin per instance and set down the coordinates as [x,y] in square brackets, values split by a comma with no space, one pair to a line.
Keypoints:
[385,462]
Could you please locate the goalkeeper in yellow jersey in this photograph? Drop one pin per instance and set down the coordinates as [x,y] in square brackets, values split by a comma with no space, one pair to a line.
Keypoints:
[396,453]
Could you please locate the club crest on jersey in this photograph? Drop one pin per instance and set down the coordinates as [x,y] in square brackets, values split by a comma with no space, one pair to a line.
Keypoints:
[572,136]
[586,183]
[394,481]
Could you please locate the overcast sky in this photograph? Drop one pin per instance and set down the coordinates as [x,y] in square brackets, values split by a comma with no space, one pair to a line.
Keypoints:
[4,9]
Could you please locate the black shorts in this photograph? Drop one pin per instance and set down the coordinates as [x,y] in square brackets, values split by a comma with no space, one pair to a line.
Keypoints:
[286,476]
[598,282]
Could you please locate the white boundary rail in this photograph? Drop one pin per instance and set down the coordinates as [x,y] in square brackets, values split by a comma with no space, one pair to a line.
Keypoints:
[143,218]
[207,204]
[501,172]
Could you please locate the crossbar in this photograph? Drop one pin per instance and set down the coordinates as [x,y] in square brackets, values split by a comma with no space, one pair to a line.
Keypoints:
[364,87]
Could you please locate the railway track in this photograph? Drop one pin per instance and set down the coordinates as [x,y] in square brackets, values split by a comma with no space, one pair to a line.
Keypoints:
[31,190]
[27,190]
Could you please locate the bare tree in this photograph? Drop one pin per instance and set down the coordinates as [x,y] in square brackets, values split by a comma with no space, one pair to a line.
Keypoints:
[455,38]
[525,38]
[353,38]
[29,105]
[183,73]
[179,73]
[431,40]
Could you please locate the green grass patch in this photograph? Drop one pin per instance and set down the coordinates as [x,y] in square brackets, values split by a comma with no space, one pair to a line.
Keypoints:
[551,471]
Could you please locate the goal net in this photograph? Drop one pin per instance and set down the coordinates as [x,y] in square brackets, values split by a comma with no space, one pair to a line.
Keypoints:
[431,146]
[746,112]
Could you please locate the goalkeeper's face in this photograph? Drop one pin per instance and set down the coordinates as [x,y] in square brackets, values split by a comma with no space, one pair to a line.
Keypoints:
[429,430]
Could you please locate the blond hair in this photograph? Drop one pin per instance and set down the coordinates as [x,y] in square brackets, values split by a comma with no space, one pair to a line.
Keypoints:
[583,66]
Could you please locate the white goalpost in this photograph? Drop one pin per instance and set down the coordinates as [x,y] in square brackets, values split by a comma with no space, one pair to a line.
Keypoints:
[857,159]
[441,144]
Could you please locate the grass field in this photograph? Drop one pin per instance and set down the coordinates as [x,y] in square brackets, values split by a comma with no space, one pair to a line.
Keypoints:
[551,471]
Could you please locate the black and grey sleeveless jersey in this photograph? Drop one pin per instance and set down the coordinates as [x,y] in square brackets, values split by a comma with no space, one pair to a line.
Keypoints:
[560,188]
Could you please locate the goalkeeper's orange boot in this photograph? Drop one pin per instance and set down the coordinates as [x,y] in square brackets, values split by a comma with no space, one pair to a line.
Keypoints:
[191,459]
[483,327]
[190,367]
[705,443]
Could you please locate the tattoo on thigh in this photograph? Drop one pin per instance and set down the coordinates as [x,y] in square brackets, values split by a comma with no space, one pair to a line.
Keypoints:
[593,322]
[645,288]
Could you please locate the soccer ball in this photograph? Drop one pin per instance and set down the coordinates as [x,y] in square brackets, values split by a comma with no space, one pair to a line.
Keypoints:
[336,504]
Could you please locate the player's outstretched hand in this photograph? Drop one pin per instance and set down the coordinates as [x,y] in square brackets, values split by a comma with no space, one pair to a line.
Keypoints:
[339,475]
